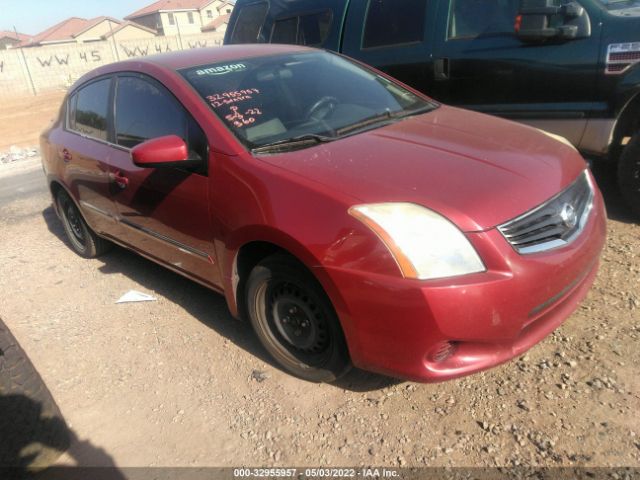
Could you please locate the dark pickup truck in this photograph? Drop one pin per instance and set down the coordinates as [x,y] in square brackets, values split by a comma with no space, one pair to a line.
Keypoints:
[571,68]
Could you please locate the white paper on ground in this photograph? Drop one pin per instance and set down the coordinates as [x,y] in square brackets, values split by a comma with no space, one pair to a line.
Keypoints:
[135,296]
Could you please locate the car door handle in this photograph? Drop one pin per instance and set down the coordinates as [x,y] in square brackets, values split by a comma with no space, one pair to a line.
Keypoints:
[441,69]
[66,155]
[119,179]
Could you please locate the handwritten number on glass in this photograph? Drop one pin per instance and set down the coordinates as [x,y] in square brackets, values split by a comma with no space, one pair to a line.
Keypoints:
[240,120]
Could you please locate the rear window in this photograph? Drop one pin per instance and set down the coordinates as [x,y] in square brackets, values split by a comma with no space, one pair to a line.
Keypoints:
[249,23]
[393,22]
[311,30]
[89,108]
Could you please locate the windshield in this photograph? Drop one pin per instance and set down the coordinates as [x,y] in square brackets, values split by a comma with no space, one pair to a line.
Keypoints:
[315,96]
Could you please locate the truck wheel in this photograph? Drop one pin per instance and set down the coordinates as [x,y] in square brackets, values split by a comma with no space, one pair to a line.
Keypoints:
[33,433]
[84,241]
[295,321]
[629,173]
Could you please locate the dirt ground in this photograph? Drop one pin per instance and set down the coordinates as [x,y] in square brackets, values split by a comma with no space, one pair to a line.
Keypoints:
[178,382]
[23,118]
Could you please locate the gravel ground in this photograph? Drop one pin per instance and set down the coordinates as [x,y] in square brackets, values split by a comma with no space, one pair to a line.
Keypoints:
[178,382]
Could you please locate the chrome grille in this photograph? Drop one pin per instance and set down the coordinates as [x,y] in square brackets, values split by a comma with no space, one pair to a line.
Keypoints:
[555,223]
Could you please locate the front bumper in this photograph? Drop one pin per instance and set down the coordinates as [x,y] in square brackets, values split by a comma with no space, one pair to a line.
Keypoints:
[397,326]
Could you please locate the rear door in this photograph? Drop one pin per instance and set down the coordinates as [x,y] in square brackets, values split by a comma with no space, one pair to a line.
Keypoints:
[164,212]
[84,150]
[395,36]
[482,65]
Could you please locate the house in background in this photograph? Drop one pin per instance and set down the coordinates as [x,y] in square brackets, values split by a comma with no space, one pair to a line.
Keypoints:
[75,30]
[10,39]
[130,31]
[82,30]
[219,25]
[181,17]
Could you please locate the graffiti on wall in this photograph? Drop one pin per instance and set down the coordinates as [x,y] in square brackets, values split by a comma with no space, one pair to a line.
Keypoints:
[38,69]
[52,60]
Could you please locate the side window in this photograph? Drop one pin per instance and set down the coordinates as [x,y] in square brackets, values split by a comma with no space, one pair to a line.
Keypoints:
[285,31]
[249,23]
[314,28]
[477,18]
[88,110]
[392,22]
[145,110]
[311,30]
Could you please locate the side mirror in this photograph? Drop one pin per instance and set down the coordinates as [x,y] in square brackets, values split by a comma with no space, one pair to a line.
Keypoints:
[542,20]
[168,151]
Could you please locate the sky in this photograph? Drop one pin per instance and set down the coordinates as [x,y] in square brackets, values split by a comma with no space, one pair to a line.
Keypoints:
[34,16]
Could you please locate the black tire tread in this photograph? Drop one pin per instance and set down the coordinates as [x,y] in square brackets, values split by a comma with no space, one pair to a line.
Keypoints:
[29,412]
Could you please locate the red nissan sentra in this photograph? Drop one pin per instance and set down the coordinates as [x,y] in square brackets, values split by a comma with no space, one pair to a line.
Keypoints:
[353,220]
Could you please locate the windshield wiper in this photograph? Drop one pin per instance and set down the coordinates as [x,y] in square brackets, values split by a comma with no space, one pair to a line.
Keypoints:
[301,141]
[387,116]
[380,117]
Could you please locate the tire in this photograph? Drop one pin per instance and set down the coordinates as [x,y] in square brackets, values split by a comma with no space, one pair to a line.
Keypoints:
[295,321]
[33,433]
[629,174]
[83,240]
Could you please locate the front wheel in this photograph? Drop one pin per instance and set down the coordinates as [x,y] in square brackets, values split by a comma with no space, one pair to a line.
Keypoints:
[629,173]
[295,321]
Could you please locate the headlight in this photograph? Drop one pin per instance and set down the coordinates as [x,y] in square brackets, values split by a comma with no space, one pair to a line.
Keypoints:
[424,243]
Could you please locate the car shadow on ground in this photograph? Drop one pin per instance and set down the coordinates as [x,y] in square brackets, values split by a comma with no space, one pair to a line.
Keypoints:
[208,307]
[31,441]
[617,208]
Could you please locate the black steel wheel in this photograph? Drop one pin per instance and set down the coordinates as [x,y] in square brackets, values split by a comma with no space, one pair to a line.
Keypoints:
[629,173]
[295,320]
[83,240]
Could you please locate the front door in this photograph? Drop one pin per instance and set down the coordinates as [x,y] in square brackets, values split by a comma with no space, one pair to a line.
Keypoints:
[164,212]
[480,64]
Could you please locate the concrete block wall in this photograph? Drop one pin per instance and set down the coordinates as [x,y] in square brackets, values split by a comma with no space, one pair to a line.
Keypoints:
[41,69]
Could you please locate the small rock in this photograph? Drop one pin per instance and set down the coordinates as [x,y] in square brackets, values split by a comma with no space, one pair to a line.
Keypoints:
[259,376]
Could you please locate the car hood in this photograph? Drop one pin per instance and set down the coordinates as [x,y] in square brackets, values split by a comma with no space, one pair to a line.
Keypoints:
[478,171]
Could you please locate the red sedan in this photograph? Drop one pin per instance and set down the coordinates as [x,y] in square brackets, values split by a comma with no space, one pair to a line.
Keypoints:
[351,219]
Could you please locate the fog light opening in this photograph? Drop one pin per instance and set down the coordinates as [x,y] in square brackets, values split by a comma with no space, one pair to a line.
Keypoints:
[442,352]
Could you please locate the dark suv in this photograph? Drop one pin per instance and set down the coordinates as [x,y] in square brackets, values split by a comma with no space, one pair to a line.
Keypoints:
[571,68]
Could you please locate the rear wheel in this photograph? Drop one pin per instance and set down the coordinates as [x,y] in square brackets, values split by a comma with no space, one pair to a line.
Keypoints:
[295,320]
[629,173]
[83,240]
